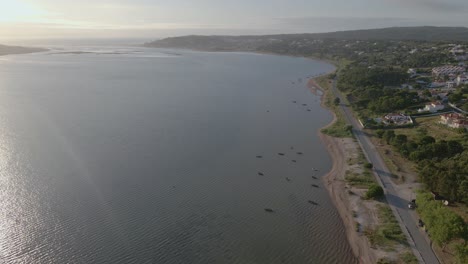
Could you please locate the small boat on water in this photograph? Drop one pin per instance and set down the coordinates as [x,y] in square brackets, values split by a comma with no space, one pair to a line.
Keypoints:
[314,185]
[269,210]
[294,160]
[299,153]
[287,179]
[304,104]
[281,154]
[312,202]
[314,177]
[260,173]
[308,110]
[259,157]
[294,101]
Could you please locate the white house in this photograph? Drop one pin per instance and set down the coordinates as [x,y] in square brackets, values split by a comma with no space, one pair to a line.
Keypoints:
[432,107]
[399,119]
[454,120]
[450,84]
[412,72]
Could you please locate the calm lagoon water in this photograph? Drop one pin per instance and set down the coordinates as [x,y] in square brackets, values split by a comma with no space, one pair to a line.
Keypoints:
[133,155]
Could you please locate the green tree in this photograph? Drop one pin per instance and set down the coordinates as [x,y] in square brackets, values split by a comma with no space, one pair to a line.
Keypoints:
[425,140]
[374,191]
[336,101]
[455,97]
[447,226]
[388,135]
[379,133]
[427,93]
[462,253]
[465,106]
[399,140]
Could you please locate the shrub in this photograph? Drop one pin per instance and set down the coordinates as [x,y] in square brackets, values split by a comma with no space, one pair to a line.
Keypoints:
[336,101]
[375,191]
[368,166]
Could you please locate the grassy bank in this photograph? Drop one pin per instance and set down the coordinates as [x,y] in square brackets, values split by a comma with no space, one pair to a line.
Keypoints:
[340,128]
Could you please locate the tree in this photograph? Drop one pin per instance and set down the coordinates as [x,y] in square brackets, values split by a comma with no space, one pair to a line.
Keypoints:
[374,191]
[462,253]
[379,133]
[388,135]
[427,93]
[336,101]
[465,107]
[426,140]
[399,140]
[447,226]
[455,97]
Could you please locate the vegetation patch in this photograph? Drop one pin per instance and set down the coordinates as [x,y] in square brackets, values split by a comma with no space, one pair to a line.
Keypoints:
[340,128]
[388,233]
[375,191]
[360,180]
[443,225]
[408,258]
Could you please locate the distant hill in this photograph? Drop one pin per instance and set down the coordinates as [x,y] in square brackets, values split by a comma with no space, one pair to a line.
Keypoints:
[220,43]
[6,50]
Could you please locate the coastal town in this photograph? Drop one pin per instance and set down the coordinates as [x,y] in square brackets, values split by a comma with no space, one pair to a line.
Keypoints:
[431,104]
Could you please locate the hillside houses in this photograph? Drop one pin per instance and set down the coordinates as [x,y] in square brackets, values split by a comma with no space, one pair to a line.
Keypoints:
[432,107]
[447,70]
[454,120]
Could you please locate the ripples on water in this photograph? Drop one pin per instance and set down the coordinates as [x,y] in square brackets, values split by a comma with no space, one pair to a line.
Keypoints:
[148,156]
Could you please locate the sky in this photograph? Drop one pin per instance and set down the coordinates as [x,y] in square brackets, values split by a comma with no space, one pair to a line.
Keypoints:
[39,19]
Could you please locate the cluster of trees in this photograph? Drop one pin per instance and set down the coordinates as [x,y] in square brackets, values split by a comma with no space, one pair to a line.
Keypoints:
[367,86]
[442,164]
[356,77]
[458,96]
[449,176]
[427,59]
[443,224]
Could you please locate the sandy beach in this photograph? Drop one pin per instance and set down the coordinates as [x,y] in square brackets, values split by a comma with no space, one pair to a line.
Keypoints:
[345,200]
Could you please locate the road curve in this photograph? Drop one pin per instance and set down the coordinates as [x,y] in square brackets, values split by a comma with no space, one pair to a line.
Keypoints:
[416,238]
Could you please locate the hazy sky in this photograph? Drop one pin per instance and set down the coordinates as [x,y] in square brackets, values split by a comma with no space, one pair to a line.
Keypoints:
[160,18]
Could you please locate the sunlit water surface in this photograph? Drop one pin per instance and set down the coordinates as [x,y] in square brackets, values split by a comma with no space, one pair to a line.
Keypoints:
[132,155]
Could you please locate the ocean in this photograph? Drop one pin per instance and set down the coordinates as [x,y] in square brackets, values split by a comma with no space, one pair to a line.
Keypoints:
[135,155]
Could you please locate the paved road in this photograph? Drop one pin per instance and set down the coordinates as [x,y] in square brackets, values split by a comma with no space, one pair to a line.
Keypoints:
[416,238]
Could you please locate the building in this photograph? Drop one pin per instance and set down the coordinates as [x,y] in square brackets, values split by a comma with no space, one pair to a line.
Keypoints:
[450,84]
[454,120]
[397,119]
[437,85]
[447,70]
[412,71]
[432,107]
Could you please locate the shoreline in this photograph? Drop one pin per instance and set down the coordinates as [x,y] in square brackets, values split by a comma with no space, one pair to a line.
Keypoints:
[334,181]
[323,60]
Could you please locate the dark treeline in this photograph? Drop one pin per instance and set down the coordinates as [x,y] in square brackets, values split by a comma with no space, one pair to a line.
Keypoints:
[442,164]
[367,86]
